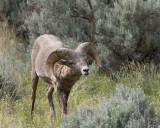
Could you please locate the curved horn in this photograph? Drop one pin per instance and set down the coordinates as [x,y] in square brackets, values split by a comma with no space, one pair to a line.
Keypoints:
[88,48]
[55,56]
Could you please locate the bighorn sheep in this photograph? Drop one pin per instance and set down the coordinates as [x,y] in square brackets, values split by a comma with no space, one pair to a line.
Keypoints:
[59,66]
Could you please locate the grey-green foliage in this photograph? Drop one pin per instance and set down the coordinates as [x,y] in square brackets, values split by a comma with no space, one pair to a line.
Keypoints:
[128,108]
[61,18]
[130,30]
[121,30]
[67,18]
[72,21]
[10,78]
[10,10]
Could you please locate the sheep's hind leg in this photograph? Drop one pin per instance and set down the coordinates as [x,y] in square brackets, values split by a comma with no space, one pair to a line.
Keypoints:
[50,99]
[63,98]
[35,79]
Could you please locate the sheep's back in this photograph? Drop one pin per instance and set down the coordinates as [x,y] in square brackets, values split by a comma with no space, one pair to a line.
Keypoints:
[43,47]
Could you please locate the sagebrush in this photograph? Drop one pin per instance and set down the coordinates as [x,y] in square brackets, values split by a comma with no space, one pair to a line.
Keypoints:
[128,108]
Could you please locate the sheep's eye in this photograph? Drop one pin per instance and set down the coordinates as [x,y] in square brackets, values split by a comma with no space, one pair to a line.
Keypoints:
[71,63]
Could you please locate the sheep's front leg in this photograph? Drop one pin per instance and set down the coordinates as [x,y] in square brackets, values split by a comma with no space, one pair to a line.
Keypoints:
[34,88]
[63,98]
[50,99]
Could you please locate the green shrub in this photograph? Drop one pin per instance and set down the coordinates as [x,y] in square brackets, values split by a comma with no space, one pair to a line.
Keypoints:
[130,31]
[61,18]
[123,30]
[9,78]
[13,57]
[128,108]
[10,11]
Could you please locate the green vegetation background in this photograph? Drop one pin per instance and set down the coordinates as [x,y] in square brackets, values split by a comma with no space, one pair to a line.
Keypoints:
[15,81]
[87,91]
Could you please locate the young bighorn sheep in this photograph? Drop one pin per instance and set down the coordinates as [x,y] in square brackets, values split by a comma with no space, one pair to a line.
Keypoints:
[59,66]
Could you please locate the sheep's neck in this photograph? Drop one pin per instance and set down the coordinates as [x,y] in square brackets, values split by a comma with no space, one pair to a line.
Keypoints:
[66,75]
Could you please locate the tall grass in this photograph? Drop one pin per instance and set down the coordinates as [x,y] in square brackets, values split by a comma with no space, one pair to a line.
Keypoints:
[145,76]
[9,64]
[12,45]
[87,91]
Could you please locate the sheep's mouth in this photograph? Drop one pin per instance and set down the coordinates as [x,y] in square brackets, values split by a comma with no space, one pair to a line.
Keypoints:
[86,73]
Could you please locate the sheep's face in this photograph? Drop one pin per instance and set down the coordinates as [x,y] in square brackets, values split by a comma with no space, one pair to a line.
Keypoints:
[77,62]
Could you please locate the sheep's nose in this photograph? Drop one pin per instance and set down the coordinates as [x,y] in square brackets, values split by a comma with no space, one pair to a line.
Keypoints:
[85,71]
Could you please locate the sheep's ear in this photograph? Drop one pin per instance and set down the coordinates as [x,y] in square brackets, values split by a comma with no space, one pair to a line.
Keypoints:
[57,55]
[89,49]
